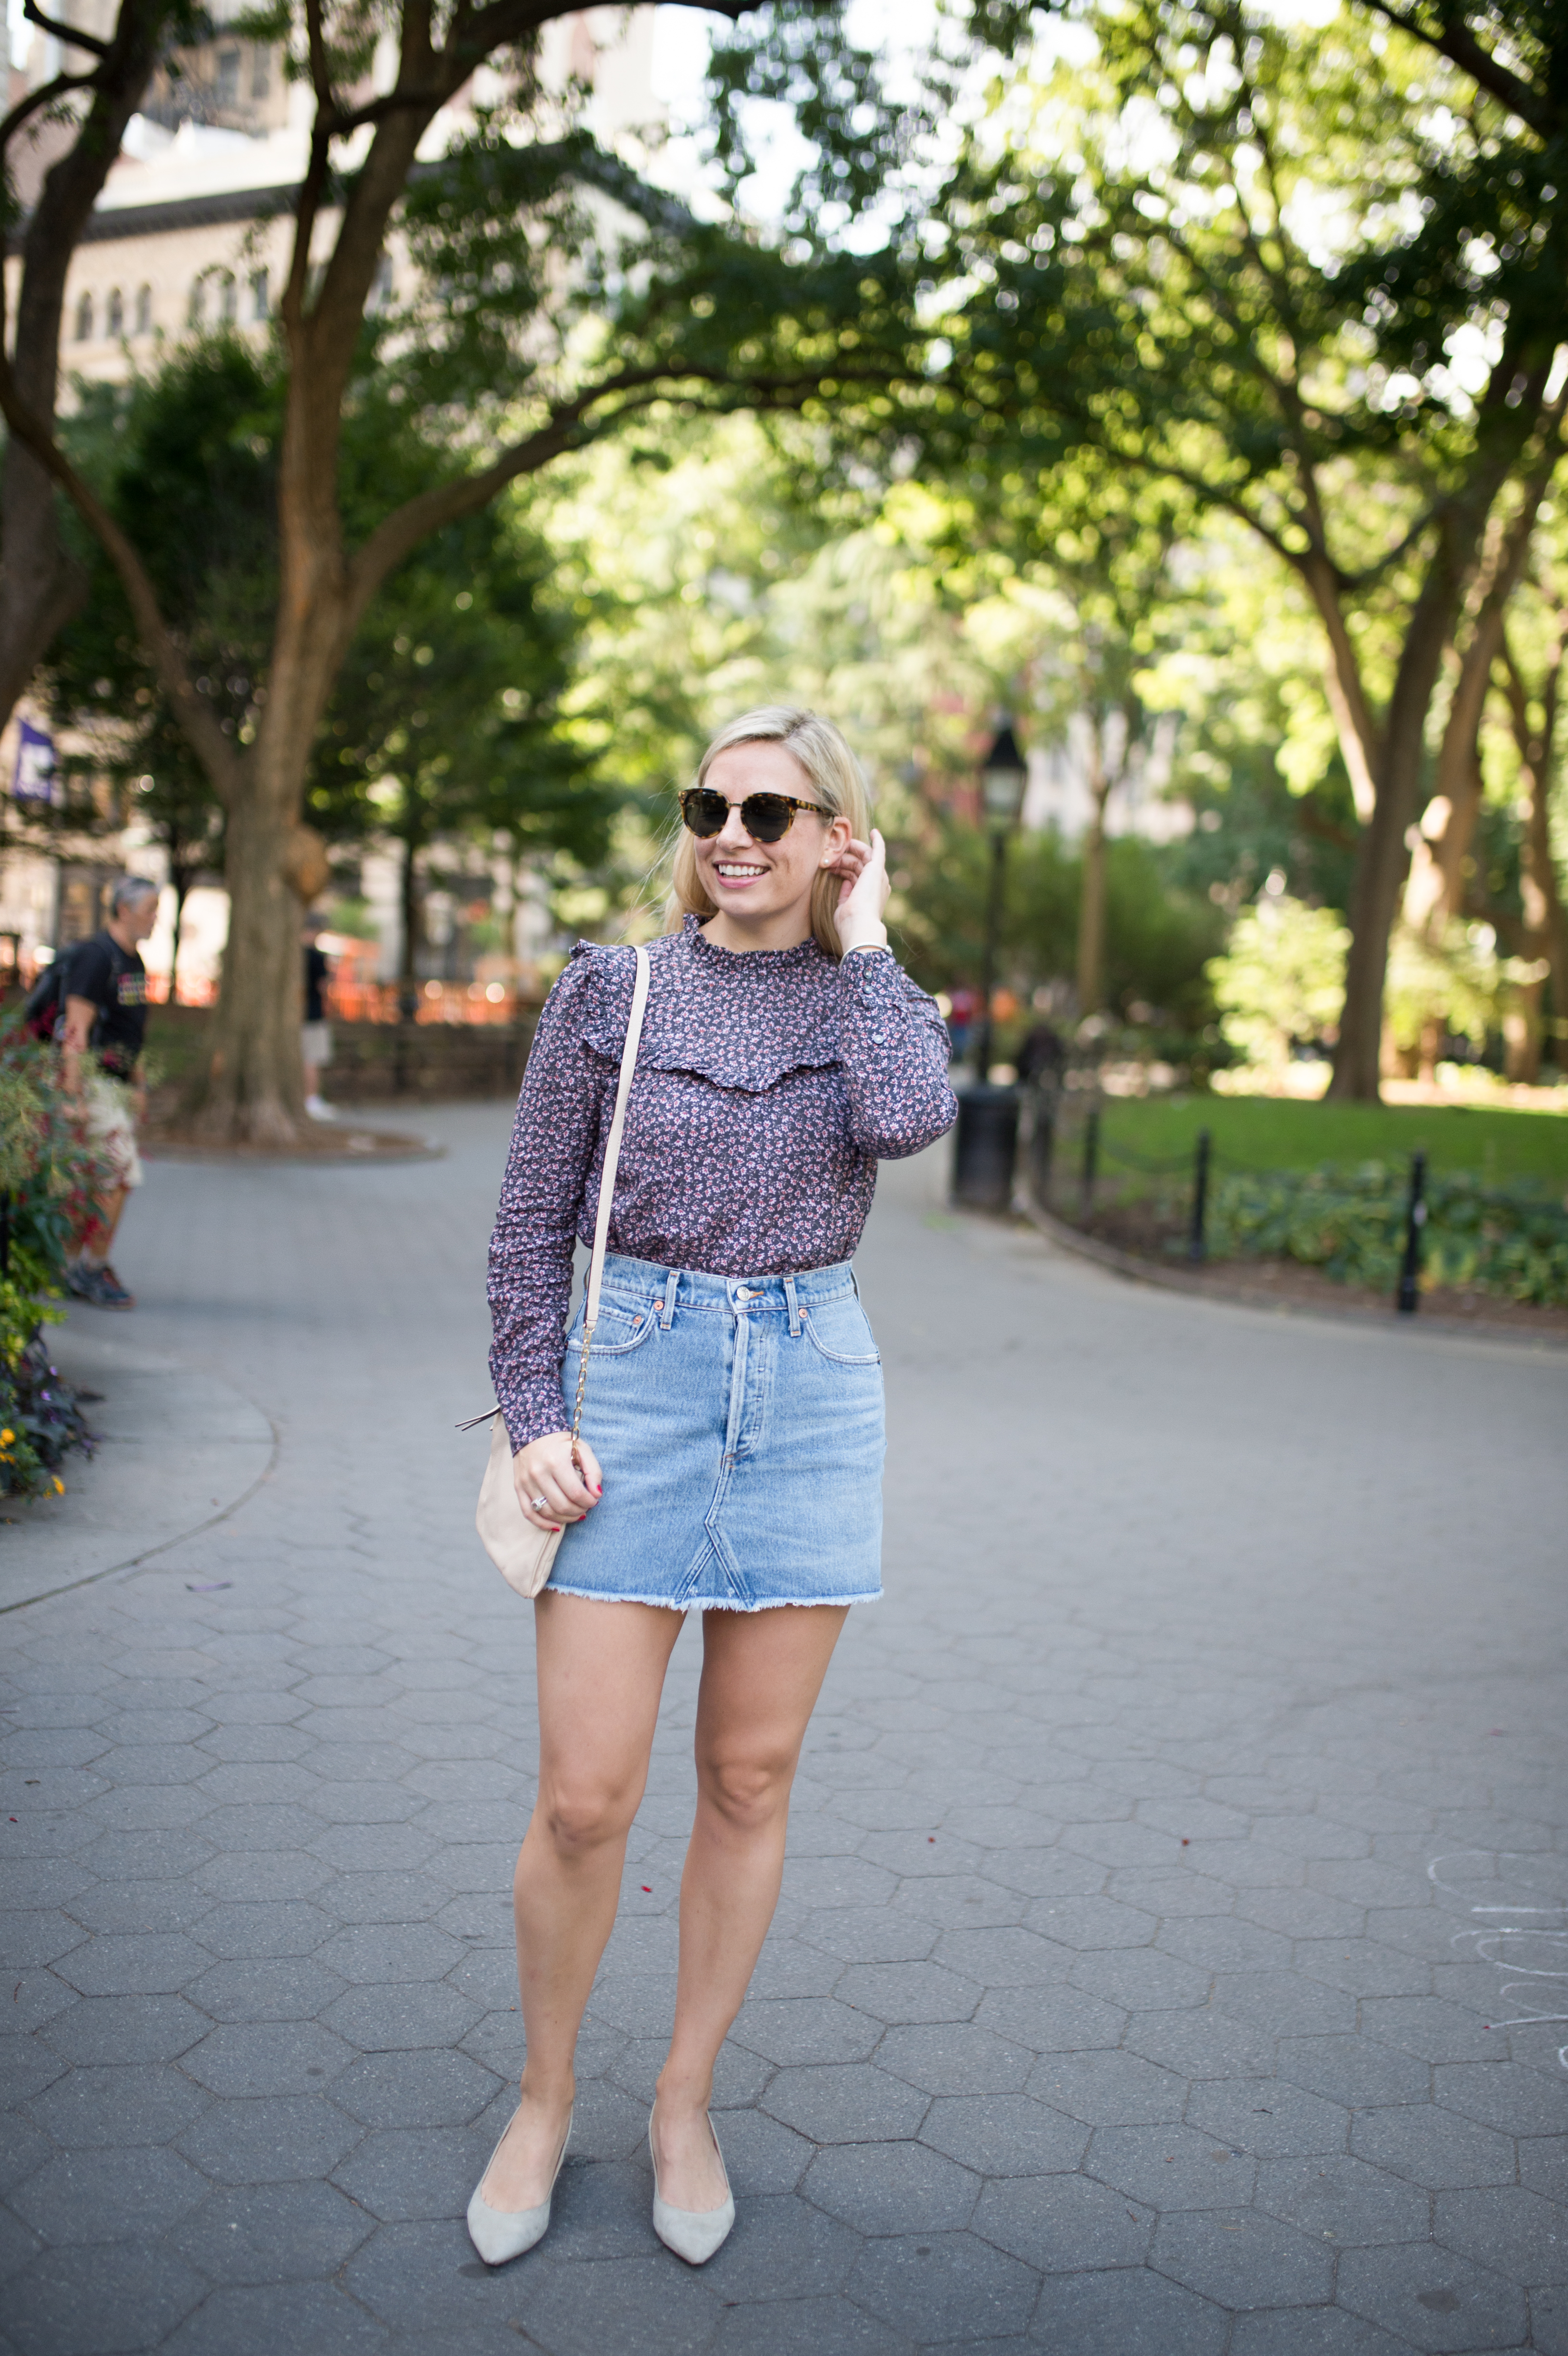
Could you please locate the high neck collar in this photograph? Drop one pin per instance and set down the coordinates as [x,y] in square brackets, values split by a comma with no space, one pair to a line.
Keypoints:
[805,952]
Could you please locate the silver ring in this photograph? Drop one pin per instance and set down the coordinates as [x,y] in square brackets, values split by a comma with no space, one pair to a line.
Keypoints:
[539,1505]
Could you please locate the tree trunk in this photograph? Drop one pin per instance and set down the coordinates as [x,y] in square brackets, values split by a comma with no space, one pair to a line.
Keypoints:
[42,587]
[409,913]
[1545,926]
[254,1090]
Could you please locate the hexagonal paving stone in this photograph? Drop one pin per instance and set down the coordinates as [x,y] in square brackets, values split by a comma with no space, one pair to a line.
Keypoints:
[804,2030]
[401,2015]
[1269,2117]
[943,2287]
[1433,2146]
[1090,1923]
[100,2108]
[306,2319]
[1004,2135]
[1240,2258]
[1171,2167]
[1503,2094]
[898,1994]
[414,2090]
[959,2058]
[126,2029]
[870,1934]
[781,2248]
[1504,2227]
[128,1964]
[803,2327]
[882,2188]
[1060,2224]
[1342,2200]
[1431,2297]
[1312,2331]
[261,2139]
[268,2057]
[1109,2088]
[1355,2070]
[1129,2310]
[83,2302]
[846,2103]
[272,2233]
[108,2195]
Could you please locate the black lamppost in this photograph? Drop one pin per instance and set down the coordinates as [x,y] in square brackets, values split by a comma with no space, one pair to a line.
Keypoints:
[985,1139]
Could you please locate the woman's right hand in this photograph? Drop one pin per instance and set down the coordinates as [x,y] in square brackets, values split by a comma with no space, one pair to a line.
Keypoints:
[545,1469]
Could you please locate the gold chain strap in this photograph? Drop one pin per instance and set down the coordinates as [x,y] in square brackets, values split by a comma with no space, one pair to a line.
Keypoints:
[577,1410]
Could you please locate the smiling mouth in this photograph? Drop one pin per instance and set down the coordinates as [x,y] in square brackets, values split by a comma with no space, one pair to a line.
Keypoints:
[730,871]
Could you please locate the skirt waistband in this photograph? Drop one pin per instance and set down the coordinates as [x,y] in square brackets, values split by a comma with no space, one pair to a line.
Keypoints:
[696,1288]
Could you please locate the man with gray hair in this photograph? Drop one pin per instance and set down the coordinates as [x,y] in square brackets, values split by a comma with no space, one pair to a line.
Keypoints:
[104,989]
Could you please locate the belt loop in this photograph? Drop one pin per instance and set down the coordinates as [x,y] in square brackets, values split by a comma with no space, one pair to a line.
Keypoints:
[794,1308]
[667,1314]
[856,1282]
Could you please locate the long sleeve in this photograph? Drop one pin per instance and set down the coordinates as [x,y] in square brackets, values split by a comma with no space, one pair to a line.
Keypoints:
[895,1049]
[561,1114]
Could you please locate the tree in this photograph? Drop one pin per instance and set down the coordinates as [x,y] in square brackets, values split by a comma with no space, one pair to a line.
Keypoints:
[532,321]
[445,720]
[1245,258]
[39,584]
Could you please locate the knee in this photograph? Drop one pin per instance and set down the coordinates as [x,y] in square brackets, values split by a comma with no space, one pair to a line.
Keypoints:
[747,1791]
[577,1818]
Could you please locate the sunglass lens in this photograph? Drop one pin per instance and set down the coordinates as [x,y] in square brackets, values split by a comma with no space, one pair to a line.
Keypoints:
[704,811]
[766,816]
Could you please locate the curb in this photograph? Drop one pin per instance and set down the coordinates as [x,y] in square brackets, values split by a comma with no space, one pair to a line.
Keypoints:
[179,1451]
[1137,1270]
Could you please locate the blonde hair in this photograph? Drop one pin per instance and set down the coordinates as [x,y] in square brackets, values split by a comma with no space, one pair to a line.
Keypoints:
[833,770]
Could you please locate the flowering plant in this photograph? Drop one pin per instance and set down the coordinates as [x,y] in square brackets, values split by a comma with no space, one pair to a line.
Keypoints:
[51,1177]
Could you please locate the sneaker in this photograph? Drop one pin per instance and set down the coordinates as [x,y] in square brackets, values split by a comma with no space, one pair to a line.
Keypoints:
[319,1110]
[100,1287]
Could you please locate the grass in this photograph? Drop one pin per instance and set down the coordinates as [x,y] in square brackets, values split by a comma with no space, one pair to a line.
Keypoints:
[1271,1133]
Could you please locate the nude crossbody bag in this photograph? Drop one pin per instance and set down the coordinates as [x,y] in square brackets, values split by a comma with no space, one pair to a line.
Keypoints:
[524,1556]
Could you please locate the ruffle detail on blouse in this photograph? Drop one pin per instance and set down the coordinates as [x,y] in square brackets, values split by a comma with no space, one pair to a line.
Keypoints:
[718,1017]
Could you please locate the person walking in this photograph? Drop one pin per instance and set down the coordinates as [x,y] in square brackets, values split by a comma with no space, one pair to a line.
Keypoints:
[104,993]
[316,1031]
[732,1444]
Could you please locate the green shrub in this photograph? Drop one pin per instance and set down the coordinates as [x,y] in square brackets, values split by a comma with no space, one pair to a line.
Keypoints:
[1350,1222]
[49,1175]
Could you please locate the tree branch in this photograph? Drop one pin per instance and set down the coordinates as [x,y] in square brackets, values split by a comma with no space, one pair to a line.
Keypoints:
[200,724]
[1459,45]
[69,34]
[45,95]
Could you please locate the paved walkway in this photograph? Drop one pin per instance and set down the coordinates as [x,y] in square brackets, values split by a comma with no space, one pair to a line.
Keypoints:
[1172,1957]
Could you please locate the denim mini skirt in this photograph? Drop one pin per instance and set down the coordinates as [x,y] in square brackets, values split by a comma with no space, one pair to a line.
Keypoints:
[738,1422]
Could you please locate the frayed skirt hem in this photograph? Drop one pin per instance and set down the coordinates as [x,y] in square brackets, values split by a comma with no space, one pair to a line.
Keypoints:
[714,1602]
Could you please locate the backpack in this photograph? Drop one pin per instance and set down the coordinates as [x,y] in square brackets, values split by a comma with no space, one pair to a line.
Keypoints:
[45,1006]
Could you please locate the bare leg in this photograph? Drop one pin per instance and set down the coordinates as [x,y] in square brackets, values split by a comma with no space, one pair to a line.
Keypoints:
[98,1230]
[601,1672]
[762,1672]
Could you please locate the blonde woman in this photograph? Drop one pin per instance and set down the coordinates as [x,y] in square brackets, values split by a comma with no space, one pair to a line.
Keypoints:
[733,1437]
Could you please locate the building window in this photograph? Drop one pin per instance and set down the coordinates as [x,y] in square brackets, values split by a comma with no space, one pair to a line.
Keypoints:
[227,299]
[228,90]
[198,304]
[114,320]
[261,73]
[84,320]
[260,297]
[144,312]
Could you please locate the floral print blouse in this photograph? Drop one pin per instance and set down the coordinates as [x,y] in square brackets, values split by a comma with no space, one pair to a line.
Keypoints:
[769,1084]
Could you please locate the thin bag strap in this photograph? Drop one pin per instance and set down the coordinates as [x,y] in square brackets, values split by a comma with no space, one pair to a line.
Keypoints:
[607,1182]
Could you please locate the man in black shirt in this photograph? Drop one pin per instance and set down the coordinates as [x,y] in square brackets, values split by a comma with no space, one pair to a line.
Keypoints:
[316,1031]
[105,992]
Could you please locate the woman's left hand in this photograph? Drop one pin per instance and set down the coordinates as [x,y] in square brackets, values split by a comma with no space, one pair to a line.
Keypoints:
[863,893]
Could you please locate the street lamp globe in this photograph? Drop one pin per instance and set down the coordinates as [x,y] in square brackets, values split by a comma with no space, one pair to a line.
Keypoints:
[1003,776]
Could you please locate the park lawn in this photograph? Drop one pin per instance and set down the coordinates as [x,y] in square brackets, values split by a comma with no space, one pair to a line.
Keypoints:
[1275,1133]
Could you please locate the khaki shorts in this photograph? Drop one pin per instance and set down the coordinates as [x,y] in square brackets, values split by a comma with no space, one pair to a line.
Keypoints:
[315,1042]
[111,1125]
